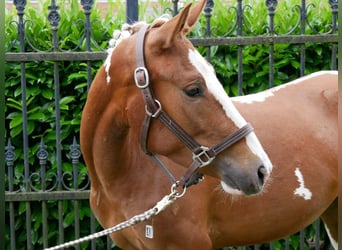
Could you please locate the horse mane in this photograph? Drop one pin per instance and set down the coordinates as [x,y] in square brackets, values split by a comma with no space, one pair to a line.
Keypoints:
[126,31]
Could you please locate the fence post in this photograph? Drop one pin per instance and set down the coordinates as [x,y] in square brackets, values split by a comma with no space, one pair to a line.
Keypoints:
[2,125]
[132,11]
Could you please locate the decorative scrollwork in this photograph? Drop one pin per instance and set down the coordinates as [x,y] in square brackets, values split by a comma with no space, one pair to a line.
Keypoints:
[43,179]
[54,16]
[334,5]
[42,153]
[232,10]
[9,158]
[9,154]
[334,10]
[40,181]
[87,5]
[75,181]
[83,179]
[75,152]
[271,6]
[208,9]
[20,6]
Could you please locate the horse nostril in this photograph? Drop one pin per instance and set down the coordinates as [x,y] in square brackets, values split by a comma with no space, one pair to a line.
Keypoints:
[262,172]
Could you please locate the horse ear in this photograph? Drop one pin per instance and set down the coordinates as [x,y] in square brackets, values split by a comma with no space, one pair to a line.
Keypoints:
[178,26]
[193,16]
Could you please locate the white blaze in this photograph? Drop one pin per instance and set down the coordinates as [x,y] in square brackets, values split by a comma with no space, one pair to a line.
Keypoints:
[217,90]
[302,190]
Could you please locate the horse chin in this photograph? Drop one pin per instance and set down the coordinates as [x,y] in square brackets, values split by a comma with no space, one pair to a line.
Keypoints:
[239,192]
[230,190]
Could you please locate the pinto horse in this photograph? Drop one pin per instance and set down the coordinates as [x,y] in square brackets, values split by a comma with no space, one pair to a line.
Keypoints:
[156,103]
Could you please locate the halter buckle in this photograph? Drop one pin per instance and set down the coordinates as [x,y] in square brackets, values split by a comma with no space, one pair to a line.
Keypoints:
[155,113]
[203,157]
[141,81]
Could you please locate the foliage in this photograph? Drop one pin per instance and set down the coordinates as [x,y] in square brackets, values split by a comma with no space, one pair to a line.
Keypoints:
[73,75]
[255,58]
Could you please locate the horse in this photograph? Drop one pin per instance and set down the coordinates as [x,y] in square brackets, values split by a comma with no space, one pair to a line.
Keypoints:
[252,169]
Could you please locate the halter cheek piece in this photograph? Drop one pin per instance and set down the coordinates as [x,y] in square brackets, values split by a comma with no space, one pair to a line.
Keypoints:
[201,155]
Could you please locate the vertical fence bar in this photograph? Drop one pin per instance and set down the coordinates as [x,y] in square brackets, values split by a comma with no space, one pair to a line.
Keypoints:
[132,11]
[75,155]
[208,9]
[302,32]
[20,6]
[2,125]
[92,230]
[42,155]
[175,7]
[54,19]
[334,11]
[239,16]
[271,6]
[9,157]
[287,244]
[87,5]
[271,245]
[109,243]
[317,234]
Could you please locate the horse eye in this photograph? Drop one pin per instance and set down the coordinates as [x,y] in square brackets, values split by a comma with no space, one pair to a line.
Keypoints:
[193,91]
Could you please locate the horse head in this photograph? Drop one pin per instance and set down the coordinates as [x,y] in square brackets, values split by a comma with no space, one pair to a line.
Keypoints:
[184,86]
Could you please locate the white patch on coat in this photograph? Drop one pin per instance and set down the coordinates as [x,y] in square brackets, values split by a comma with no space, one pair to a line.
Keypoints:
[334,243]
[118,36]
[217,90]
[262,96]
[302,190]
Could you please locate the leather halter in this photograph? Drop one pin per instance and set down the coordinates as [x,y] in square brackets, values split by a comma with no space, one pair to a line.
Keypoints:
[202,155]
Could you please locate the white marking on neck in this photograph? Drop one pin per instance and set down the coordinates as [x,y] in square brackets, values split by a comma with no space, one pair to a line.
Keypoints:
[217,90]
[118,36]
[302,190]
[262,96]
[334,243]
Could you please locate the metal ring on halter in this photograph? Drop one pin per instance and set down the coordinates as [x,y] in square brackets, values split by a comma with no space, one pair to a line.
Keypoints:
[147,79]
[156,113]
[175,192]
[203,157]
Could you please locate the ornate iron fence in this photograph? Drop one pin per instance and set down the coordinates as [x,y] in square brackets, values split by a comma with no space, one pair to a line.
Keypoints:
[31,188]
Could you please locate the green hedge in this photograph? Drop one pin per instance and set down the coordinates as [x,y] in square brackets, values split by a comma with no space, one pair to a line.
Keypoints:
[73,79]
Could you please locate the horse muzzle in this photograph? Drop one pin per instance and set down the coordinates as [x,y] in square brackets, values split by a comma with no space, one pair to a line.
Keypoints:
[239,180]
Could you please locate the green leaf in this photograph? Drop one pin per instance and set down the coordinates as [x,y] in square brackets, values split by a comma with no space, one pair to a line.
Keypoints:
[37,116]
[47,93]
[16,121]
[69,219]
[14,104]
[67,99]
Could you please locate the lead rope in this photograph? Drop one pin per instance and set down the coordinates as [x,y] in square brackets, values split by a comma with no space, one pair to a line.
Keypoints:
[166,201]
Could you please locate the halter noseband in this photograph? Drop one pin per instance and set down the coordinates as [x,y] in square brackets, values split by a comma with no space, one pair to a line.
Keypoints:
[202,155]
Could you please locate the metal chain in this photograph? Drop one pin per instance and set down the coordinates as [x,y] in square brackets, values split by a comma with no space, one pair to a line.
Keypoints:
[160,206]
